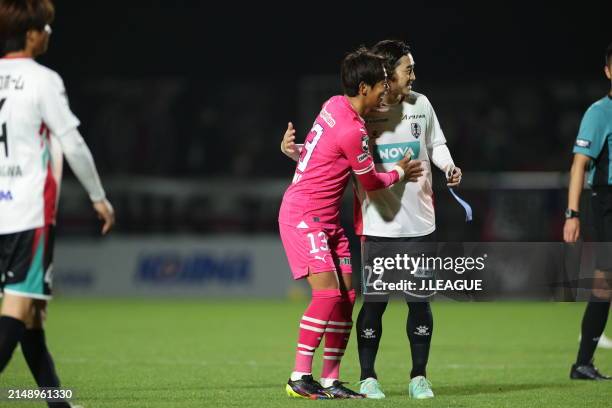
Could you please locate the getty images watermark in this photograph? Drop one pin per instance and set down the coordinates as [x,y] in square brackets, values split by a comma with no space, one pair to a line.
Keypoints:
[484,271]
[418,273]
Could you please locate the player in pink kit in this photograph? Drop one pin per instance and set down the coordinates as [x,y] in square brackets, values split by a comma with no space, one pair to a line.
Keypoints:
[315,244]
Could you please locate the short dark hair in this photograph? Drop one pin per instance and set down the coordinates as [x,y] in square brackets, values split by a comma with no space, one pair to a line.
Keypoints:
[17,17]
[609,55]
[391,51]
[361,66]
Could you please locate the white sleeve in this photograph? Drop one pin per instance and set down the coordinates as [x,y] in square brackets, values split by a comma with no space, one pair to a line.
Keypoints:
[441,157]
[53,104]
[434,135]
[82,164]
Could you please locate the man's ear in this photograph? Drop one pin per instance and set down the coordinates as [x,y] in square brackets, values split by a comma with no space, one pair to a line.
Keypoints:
[31,38]
[607,70]
[31,35]
[364,88]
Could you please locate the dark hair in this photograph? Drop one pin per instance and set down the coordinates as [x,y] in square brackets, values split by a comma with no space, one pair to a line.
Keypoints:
[361,66]
[391,51]
[609,55]
[17,17]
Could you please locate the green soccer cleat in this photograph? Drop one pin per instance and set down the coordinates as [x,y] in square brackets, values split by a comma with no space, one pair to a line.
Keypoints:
[370,387]
[420,388]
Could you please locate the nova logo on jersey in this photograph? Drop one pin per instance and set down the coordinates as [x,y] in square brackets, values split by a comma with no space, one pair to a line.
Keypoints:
[393,152]
[6,195]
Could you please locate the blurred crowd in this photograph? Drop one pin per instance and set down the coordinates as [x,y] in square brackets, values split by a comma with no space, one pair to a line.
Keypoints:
[187,128]
[193,148]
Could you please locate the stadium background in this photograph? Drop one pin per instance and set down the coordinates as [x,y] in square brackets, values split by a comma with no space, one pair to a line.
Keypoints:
[183,106]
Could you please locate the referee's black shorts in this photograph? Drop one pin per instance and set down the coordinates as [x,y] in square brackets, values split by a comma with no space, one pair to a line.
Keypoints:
[601,204]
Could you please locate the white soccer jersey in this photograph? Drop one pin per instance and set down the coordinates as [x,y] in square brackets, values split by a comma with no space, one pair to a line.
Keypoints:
[33,110]
[406,209]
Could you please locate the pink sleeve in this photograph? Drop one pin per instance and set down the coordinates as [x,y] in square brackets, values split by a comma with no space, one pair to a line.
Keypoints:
[354,146]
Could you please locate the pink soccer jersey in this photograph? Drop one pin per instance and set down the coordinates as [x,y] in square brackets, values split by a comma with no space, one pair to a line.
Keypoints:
[337,144]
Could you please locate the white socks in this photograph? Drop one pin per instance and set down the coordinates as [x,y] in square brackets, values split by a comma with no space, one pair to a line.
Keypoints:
[297,375]
[327,382]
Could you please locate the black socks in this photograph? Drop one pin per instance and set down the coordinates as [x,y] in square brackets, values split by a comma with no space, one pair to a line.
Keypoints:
[419,328]
[38,358]
[593,324]
[11,332]
[369,332]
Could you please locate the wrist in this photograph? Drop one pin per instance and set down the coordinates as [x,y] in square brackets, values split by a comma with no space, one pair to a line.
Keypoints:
[97,199]
[448,170]
[570,213]
[400,172]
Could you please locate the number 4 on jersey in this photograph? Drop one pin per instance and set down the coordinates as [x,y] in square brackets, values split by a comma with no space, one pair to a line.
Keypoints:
[309,146]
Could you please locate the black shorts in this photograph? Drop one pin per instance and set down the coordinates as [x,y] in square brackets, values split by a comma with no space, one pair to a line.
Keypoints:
[375,247]
[601,204]
[26,262]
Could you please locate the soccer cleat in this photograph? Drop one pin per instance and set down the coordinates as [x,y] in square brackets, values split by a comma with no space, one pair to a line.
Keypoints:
[339,391]
[370,387]
[587,372]
[420,388]
[307,388]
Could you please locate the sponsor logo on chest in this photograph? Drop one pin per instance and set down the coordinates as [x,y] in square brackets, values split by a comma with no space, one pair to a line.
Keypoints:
[392,152]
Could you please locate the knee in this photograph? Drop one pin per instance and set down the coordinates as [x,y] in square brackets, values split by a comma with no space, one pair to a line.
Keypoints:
[37,315]
[372,309]
[419,307]
[600,295]
[601,285]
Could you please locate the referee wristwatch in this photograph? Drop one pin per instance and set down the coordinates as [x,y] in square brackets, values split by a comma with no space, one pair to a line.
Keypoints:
[569,213]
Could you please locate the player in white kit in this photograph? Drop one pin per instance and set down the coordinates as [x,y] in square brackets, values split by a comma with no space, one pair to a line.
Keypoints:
[37,127]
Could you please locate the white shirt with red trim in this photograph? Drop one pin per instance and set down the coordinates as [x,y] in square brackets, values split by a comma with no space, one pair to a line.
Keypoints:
[33,111]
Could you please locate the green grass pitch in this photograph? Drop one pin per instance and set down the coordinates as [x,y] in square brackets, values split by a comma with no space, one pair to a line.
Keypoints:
[176,353]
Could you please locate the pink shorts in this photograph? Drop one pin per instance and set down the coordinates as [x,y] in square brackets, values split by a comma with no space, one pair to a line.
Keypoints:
[317,249]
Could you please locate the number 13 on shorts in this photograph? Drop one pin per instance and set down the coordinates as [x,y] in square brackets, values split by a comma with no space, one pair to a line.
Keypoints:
[320,251]
[319,243]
